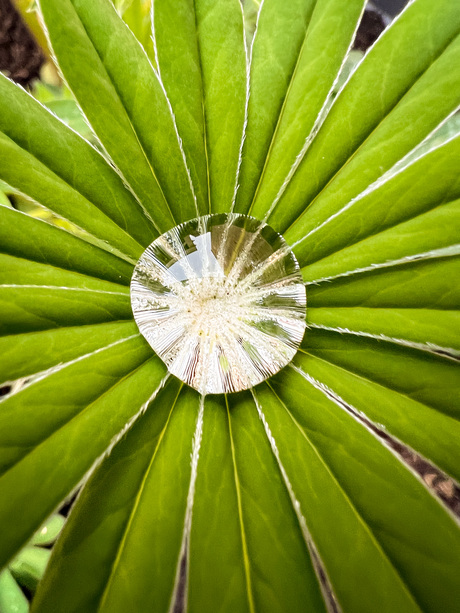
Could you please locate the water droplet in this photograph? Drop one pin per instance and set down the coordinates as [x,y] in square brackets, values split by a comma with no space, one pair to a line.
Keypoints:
[221,300]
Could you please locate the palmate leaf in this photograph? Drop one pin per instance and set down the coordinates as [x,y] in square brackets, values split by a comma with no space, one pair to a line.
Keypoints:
[288,497]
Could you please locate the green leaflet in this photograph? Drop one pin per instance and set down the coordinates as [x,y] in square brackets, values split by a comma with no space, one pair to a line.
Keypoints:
[424,328]
[377,119]
[131,116]
[12,599]
[398,368]
[428,182]
[429,283]
[22,355]
[145,481]
[423,236]
[202,61]
[39,183]
[253,551]
[30,309]
[18,271]
[50,148]
[297,52]
[383,383]
[361,505]
[48,459]
[26,237]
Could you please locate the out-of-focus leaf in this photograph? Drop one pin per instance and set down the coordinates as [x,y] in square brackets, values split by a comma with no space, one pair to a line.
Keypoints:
[297,52]
[50,530]
[120,94]
[28,567]
[202,60]
[12,599]
[137,15]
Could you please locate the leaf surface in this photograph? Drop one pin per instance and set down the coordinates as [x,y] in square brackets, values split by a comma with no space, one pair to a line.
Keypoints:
[361,504]
[41,137]
[131,116]
[47,460]
[297,52]
[400,92]
[423,185]
[408,396]
[145,483]
[202,61]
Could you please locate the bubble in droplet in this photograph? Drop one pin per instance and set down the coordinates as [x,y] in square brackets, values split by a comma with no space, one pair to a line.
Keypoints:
[221,300]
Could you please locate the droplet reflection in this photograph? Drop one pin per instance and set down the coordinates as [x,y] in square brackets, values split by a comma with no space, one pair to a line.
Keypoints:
[221,300]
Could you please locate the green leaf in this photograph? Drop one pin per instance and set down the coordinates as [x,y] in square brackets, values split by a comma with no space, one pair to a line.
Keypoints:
[361,504]
[22,355]
[426,378]
[297,52]
[202,60]
[77,182]
[50,457]
[384,384]
[145,483]
[378,118]
[427,283]
[136,14]
[12,599]
[428,182]
[26,308]
[250,553]
[28,567]
[426,329]
[50,530]
[24,236]
[422,237]
[38,183]
[17,271]
[120,94]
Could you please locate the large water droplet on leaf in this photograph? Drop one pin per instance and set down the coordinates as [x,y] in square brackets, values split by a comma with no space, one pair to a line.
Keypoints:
[221,300]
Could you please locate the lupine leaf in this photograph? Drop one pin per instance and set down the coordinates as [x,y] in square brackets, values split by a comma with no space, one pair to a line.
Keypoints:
[426,378]
[423,185]
[371,508]
[23,355]
[279,571]
[297,52]
[26,237]
[202,61]
[429,283]
[424,236]
[46,465]
[27,308]
[431,428]
[425,327]
[44,141]
[40,184]
[377,119]
[146,479]
[131,116]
